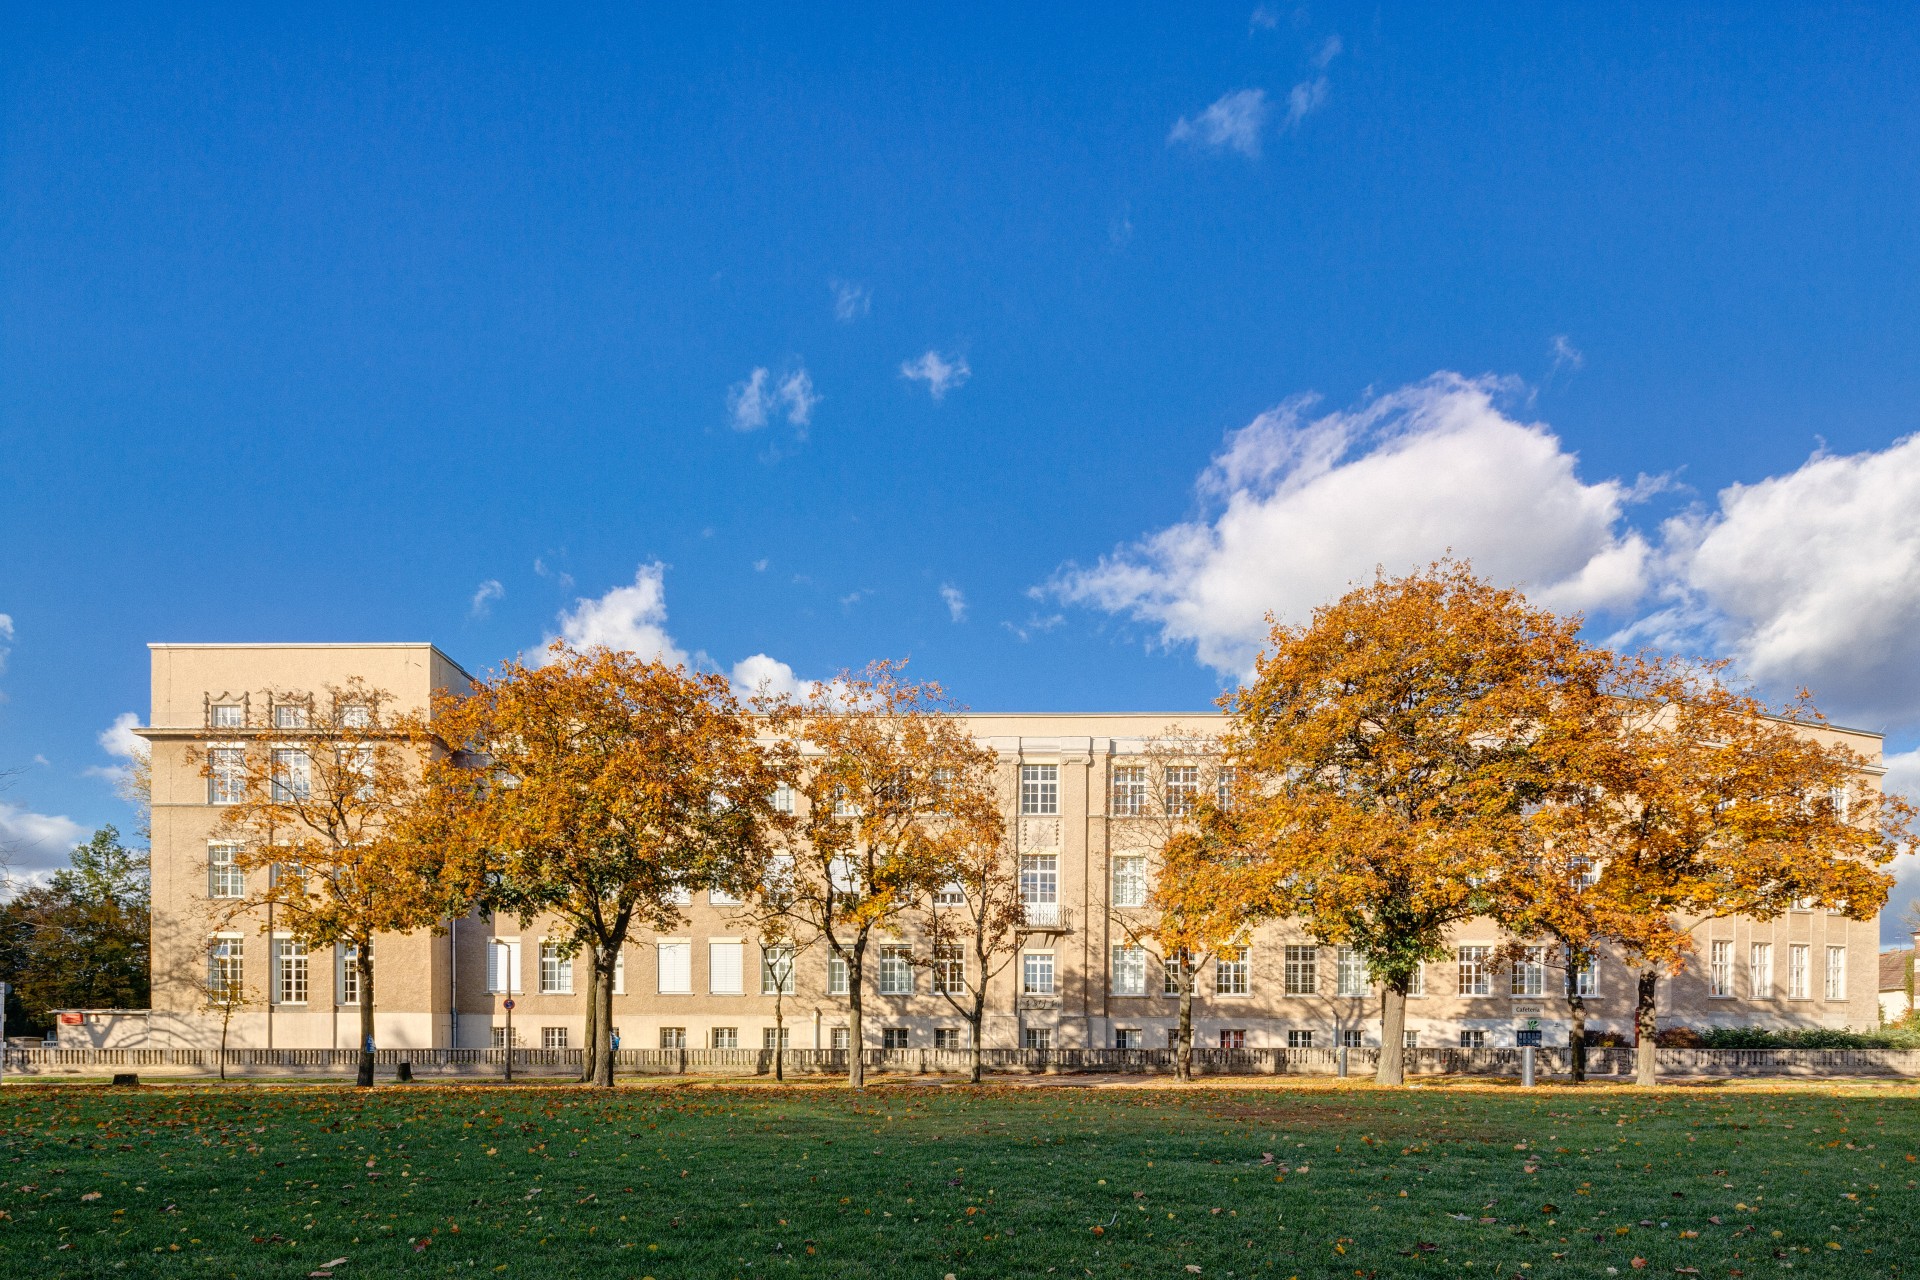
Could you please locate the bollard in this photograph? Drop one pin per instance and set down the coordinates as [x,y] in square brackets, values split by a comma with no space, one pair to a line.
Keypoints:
[405,1074]
[1343,1062]
[1526,1066]
[126,1079]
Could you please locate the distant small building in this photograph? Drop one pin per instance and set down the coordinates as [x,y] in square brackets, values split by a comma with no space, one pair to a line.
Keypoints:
[1896,983]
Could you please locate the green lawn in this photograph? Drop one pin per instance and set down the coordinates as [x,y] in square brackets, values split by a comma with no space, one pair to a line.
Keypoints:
[917,1181]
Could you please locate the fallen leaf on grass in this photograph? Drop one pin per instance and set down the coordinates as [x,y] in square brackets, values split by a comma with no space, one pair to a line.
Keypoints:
[91,1195]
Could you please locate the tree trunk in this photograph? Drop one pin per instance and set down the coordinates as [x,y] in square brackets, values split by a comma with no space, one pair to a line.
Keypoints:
[1393,1032]
[856,1060]
[1644,1028]
[363,961]
[1183,1056]
[590,1047]
[976,1020]
[226,1020]
[779,1027]
[1576,1020]
[603,1015]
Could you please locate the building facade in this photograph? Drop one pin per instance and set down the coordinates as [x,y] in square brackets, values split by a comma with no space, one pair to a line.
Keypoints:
[1086,792]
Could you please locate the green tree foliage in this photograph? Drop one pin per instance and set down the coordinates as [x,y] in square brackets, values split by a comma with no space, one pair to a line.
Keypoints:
[80,940]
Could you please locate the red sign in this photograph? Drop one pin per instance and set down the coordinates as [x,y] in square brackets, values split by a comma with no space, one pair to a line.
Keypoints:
[72,1019]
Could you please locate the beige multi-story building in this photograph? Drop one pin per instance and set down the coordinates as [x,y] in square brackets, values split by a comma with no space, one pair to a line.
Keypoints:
[1086,790]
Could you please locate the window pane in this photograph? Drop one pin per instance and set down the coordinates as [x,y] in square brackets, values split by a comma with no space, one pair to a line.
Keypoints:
[1037,973]
[1130,881]
[1129,971]
[1040,789]
[1303,971]
[1231,972]
[896,971]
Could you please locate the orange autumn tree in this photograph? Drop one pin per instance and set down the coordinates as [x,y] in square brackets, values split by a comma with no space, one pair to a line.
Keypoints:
[1399,748]
[892,792]
[1729,807]
[973,925]
[1208,896]
[596,787]
[315,800]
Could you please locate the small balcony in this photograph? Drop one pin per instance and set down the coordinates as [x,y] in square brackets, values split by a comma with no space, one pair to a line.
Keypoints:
[1045,917]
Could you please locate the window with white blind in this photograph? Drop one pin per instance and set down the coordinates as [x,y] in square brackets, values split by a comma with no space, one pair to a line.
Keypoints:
[1302,970]
[503,965]
[837,975]
[556,970]
[1183,789]
[1350,972]
[1530,973]
[776,971]
[1129,881]
[680,896]
[1129,791]
[896,969]
[224,879]
[726,968]
[1836,973]
[226,774]
[949,969]
[1798,958]
[1476,975]
[1036,973]
[1040,789]
[676,968]
[1720,967]
[620,972]
[844,875]
[291,961]
[1233,971]
[1760,971]
[1129,971]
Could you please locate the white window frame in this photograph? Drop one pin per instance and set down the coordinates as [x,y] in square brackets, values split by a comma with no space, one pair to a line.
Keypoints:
[556,970]
[1233,971]
[553,1038]
[292,971]
[1181,794]
[1836,975]
[1038,1039]
[1302,969]
[723,1038]
[1720,968]
[1038,974]
[1129,973]
[726,967]
[893,969]
[1760,971]
[776,970]
[1529,978]
[290,774]
[218,717]
[1586,979]
[838,975]
[349,974]
[673,967]
[949,969]
[1799,965]
[226,773]
[224,880]
[1476,974]
[226,965]
[1040,888]
[1039,790]
[1129,880]
[673,1037]
[1300,1039]
[503,959]
[1350,973]
[1129,790]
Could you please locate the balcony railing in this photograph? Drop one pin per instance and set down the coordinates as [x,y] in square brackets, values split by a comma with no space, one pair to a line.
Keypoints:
[1046,917]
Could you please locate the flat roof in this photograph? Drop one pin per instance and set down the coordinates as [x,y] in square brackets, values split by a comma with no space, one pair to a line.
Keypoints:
[320,644]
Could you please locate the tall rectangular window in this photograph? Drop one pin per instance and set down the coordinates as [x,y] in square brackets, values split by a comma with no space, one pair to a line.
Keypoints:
[225,955]
[1760,971]
[676,968]
[503,966]
[620,972]
[1036,973]
[556,970]
[1040,789]
[292,775]
[226,775]
[1129,971]
[224,879]
[949,969]
[1351,972]
[1530,973]
[293,971]
[1476,975]
[1130,881]
[1720,967]
[1225,782]
[776,971]
[1836,973]
[1797,976]
[1303,970]
[1417,984]
[1183,789]
[1129,791]
[1232,971]
[783,799]
[896,969]
[726,968]
[836,975]
[1170,975]
[1586,978]
[1040,887]
[350,974]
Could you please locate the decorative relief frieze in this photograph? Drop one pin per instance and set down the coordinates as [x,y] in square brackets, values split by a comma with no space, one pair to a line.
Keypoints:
[1040,833]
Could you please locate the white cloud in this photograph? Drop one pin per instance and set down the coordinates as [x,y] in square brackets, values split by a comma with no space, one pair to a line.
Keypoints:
[6,633]
[1329,50]
[1295,509]
[762,674]
[484,596]
[956,601]
[850,300]
[1903,778]
[118,739]
[37,843]
[1565,354]
[939,373]
[752,402]
[1812,578]
[633,618]
[1306,98]
[1234,122]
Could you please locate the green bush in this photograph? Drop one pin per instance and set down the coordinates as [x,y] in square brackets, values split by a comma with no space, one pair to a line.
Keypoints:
[1895,1037]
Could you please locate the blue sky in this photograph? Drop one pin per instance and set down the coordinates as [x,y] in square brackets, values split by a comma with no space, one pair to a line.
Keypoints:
[313,326]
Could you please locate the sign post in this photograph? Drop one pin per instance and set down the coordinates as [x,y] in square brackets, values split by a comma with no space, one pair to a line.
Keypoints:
[507,1004]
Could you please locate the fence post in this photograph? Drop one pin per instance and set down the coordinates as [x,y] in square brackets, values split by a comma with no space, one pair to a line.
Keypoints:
[1343,1062]
[1526,1066]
